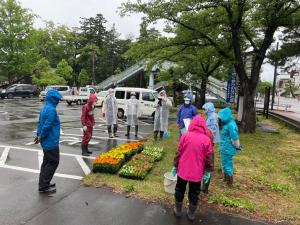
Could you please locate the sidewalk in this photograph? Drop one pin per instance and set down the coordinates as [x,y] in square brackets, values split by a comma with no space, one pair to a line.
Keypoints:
[101,207]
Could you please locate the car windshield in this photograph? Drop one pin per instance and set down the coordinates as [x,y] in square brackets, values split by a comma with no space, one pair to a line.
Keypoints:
[102,94]
[12,87]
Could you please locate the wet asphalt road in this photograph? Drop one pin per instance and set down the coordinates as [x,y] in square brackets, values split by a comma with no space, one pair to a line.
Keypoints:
[20,203]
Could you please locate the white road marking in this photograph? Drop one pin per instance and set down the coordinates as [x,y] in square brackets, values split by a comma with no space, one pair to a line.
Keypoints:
[83,165]
[3,112]
[38,150]
[105,138]
[74,177]
[4,155]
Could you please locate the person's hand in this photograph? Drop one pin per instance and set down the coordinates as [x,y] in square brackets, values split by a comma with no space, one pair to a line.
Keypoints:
[103,115]
[84,128]
[37,140]
[174,171]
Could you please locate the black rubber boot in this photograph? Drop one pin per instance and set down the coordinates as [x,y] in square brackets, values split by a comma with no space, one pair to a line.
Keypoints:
[161,135]
[128,131]
[178,209]
[87,150]
[191,213]
[229,181]
[84,150]
[155,135]
[115,130]
[136,130]
[109,132]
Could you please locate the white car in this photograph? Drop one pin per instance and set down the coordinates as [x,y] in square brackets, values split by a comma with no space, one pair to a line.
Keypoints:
[63,90]
[79,97]
[147,100]
[101,97]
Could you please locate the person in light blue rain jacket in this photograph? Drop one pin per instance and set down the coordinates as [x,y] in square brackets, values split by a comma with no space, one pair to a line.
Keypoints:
[186,111]
[212,121]
[212,124]
[48,134]
[229,144]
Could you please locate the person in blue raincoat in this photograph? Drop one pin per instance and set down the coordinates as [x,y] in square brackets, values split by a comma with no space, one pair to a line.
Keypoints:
[213,125]
[48,134]
[186,111]
[212,121]
[229,144]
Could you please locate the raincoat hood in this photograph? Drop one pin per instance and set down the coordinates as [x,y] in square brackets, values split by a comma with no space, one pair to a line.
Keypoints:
[162,94]
[188,96]
[225,115]
[198,125]
[53,97]
[92,99]
[209,107]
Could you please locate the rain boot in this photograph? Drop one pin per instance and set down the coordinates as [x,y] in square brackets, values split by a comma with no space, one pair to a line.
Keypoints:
[161,135]
[136,130]
[229,181]
[191,213]
[115,130]
[155,135]
[128,131]
[84,150]
[109,132]
[178,209]
[87,150]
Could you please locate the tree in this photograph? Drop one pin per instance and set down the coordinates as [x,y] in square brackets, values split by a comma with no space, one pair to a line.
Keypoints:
[84,78]
[262,87]
[45,76]
[241,24]
[64,70]
[16,47]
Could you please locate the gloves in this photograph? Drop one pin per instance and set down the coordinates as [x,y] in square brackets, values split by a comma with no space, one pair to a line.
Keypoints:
[206,177]
[240,148]
[103,115]
[174,171]
[84,128]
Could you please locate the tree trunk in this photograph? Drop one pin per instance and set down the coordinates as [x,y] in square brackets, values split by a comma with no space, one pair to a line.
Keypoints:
[249,113]
[202,93]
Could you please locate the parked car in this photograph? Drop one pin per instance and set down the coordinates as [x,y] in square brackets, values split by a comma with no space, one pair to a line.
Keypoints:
[63,90]
[147,100]
[82,96]
[101,97]
[19,90]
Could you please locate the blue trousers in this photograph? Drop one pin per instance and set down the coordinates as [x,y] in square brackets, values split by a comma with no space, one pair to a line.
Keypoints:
[227,164]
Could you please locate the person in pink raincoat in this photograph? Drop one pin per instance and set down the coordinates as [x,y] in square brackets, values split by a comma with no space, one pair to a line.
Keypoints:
[192,159]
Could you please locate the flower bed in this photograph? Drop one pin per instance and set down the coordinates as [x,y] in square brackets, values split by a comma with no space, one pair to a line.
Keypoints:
[155,152]
[111,161]
[138,167]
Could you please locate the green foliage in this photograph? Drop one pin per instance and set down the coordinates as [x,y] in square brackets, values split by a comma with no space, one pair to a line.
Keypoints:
[65,71]
[45,76]
[84,78]
[232,202]
[262,86]
[17,55]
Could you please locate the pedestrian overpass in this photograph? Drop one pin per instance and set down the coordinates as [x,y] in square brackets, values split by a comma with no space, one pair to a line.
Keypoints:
[215,87]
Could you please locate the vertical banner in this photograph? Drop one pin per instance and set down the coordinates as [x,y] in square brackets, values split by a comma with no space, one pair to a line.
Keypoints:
[231,86]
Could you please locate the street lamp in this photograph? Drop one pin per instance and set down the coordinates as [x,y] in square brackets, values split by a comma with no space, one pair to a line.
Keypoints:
[274,81]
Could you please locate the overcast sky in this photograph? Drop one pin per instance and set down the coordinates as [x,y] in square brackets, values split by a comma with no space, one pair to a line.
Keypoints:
[68,12]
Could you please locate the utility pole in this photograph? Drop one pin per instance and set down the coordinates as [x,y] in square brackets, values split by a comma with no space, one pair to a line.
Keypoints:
[274,81]
[93,59]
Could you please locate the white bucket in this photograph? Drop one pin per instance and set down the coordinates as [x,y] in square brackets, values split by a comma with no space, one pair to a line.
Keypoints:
[170,182]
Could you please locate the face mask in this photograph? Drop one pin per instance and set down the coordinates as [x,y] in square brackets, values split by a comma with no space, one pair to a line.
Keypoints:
[187,102]
[132,97]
